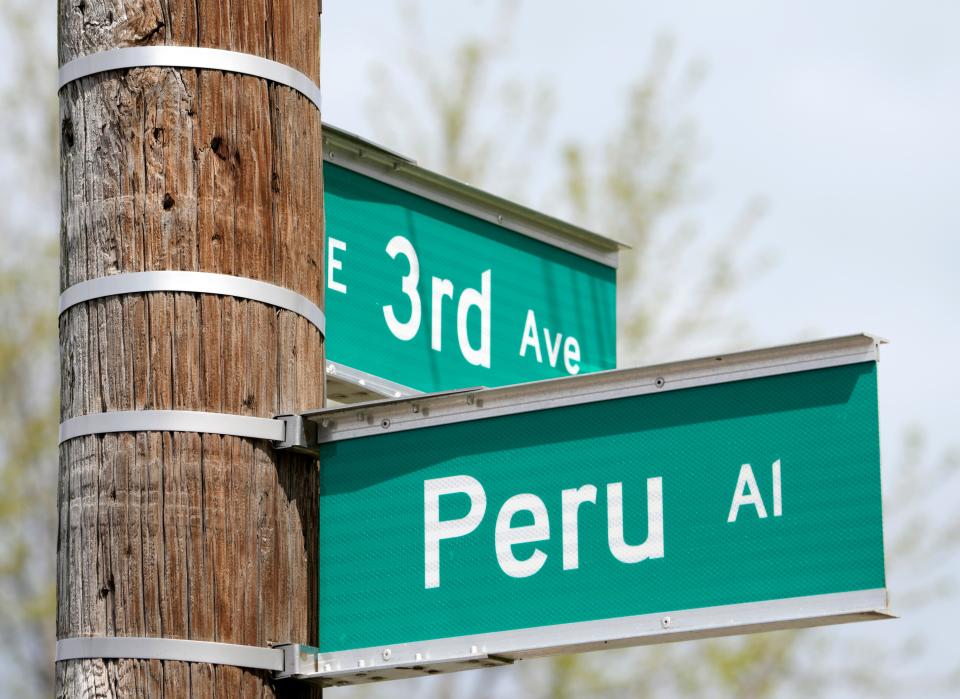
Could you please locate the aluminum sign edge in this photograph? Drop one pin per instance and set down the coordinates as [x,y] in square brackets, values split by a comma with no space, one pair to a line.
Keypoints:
[349,151]
[428,657]
[428,410]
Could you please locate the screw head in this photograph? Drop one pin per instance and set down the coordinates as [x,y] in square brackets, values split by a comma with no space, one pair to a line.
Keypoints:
[385,423]
[659,382]
[665,622]
[386,653]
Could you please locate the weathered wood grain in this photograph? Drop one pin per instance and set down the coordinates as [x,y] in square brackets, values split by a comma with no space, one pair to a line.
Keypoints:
[185,535]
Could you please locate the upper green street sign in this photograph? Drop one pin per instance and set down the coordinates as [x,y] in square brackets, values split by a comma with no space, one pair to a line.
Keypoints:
[724,495]
[433,285]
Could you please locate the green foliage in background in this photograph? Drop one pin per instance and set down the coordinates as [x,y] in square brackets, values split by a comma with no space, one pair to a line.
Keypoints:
[29,403]
[28,467]
[635,183]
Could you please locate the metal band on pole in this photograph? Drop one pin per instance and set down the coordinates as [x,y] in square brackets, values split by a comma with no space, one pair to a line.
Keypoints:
[136,647]
[190,57]
[194,282]
[173,421]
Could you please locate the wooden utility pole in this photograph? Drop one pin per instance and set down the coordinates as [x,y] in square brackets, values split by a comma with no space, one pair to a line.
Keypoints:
[181,534]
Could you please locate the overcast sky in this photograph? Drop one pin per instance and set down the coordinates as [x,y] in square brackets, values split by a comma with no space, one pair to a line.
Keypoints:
[844,116]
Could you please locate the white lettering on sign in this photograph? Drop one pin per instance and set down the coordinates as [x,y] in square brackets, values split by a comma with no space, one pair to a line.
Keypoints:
[747,493]
[652,547]
[333,264]
[434,530]
[506,535]
[407,330]
[777,499]
[530,338]
[553,342]
[441,288]
[475,350]
[471,298]
[478,355]
[570,501]
[571,355]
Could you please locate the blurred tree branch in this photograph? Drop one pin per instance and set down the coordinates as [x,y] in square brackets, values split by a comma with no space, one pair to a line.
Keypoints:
[29,406]
[638,184]
[439,115]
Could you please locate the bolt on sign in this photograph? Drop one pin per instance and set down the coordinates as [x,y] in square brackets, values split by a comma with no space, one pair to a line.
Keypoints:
[433,285]
[717,496]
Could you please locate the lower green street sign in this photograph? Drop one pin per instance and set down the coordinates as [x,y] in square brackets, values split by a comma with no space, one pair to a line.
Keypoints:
[716,496]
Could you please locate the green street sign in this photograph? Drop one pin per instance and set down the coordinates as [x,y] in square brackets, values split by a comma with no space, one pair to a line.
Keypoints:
[433,285]
[716,496]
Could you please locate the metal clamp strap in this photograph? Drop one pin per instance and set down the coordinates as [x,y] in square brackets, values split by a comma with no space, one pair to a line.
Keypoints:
[173,421]
[189,57]
[195,282]
[140,648]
